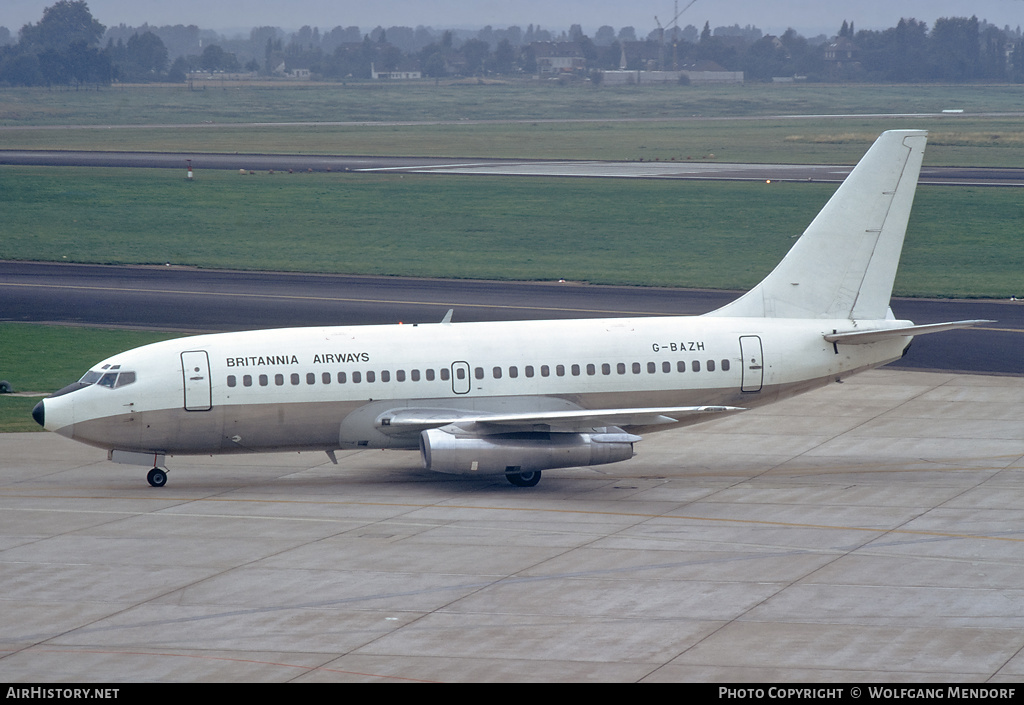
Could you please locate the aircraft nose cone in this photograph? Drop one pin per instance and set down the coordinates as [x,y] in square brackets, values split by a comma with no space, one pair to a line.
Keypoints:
[39,414]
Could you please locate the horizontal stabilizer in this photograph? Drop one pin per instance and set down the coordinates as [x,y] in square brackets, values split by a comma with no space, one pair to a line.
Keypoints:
[414,420]
[863,337]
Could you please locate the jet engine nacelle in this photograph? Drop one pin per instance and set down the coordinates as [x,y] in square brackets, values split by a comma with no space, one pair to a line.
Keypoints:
[522,452]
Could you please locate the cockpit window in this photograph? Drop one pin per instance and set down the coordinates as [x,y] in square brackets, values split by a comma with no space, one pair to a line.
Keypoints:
[111,379]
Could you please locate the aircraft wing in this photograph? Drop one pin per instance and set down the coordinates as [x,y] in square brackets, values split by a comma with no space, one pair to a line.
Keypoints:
[862,337]
[414,420]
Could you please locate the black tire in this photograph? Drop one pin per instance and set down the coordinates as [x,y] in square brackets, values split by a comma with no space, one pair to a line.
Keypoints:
[5,387]
[157,477]
[524,479]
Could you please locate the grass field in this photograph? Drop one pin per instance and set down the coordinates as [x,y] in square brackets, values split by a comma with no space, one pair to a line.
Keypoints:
[43,359]
[524,120]
[515,100]
[961,241]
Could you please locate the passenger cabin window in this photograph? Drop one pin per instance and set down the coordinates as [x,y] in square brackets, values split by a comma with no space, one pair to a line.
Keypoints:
[110,377]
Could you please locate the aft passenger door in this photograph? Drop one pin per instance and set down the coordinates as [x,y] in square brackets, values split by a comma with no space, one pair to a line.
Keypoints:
[753,364]
[195,370]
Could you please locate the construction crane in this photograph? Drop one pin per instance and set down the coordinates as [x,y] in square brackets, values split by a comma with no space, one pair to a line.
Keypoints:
[675,35]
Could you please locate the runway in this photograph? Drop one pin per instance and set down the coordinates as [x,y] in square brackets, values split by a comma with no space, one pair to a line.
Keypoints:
[696,170]
[865,532]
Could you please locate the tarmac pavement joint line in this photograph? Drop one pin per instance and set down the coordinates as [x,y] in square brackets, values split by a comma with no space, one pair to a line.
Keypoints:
[466,507]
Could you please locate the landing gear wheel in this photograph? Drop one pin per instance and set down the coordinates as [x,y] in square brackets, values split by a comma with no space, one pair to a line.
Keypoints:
[157,477]
[524,479]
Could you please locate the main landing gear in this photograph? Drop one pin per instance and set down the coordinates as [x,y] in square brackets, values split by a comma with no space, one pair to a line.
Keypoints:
[523,479]
[157,477]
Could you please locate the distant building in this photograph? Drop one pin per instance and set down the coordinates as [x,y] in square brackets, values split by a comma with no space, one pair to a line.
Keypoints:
[405,72]
[841,51]
[296,74]
[554,58]
[643,56]
[701,73]
[842,58]
[707,71]
[220,76]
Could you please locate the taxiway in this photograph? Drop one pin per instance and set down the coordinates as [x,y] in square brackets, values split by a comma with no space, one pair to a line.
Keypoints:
[194,300]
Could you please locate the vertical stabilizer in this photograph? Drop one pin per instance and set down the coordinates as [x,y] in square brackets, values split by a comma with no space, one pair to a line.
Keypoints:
[844,264]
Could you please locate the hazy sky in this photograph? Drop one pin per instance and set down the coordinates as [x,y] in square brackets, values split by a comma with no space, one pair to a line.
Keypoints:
[773,16]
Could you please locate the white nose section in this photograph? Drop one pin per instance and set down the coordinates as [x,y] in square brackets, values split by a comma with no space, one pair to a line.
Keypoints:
[56,414]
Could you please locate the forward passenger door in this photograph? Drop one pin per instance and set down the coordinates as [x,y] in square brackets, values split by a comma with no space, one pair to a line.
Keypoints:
[195,371]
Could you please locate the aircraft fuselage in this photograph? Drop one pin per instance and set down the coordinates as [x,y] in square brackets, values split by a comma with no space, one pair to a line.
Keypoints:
[326,388]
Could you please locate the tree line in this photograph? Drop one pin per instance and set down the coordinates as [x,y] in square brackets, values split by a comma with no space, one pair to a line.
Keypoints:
[69,47]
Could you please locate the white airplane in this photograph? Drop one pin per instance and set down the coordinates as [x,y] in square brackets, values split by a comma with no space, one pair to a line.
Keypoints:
[517,398]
